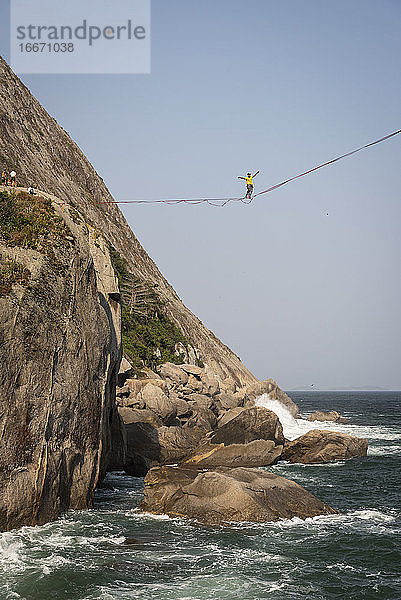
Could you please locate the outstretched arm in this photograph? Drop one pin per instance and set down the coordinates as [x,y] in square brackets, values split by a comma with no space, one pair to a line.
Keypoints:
[239,177]
[256,173]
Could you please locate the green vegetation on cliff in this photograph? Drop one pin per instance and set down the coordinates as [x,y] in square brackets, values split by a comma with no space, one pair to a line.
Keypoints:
[149,335]
[11,272]
[27,221]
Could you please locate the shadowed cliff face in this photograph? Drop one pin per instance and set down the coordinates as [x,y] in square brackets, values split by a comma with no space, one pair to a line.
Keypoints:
[60,351]
[42,152]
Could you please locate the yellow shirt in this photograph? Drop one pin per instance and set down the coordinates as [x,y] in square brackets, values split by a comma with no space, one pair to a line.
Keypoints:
[249,180]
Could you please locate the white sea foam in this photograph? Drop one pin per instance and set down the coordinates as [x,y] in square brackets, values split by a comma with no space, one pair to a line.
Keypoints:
[10,552]
[291,427]
[366,518]
[341,567]
[383,450]
[152,516]
[372,515]
[53,562]
[294,428]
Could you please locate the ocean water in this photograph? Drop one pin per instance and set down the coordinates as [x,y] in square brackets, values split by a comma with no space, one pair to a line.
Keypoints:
[114,553]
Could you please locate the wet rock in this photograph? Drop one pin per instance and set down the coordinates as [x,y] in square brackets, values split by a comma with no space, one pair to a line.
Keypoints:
[320,446]
[223,496]
[329,415]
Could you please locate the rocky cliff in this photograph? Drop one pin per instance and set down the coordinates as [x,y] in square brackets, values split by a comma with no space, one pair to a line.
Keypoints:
[65,266]
[60,352]
[42,153]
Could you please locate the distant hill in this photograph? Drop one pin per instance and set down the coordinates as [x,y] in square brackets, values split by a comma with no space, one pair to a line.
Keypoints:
[366,388]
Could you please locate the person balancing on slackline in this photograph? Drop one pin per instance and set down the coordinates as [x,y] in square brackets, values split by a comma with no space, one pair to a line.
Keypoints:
[249,183]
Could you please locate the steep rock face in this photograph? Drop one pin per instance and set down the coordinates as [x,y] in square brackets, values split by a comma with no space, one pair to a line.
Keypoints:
[60,352]
[42,153]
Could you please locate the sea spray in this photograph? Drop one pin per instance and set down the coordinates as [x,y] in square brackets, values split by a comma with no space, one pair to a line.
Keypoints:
[383,437]
[292,428]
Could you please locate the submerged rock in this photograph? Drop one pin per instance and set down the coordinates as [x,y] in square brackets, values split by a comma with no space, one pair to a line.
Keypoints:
[320,446]
[227,495]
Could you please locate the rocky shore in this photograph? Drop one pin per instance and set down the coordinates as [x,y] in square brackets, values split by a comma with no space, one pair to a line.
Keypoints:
[198,440]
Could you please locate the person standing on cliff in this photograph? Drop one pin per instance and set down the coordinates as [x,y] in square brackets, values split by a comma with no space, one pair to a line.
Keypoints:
[13,178]
[3,178]
[249,183]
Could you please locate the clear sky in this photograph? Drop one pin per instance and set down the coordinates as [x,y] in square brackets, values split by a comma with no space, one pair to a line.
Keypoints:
[300,295]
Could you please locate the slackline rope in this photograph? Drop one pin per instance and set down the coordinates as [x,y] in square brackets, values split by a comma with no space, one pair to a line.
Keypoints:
[223,201]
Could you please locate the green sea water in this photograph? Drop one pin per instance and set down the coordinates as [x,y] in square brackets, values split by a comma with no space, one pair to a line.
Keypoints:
[114,553]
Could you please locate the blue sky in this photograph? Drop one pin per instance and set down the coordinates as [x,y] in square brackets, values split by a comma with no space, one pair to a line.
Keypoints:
[300,295]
